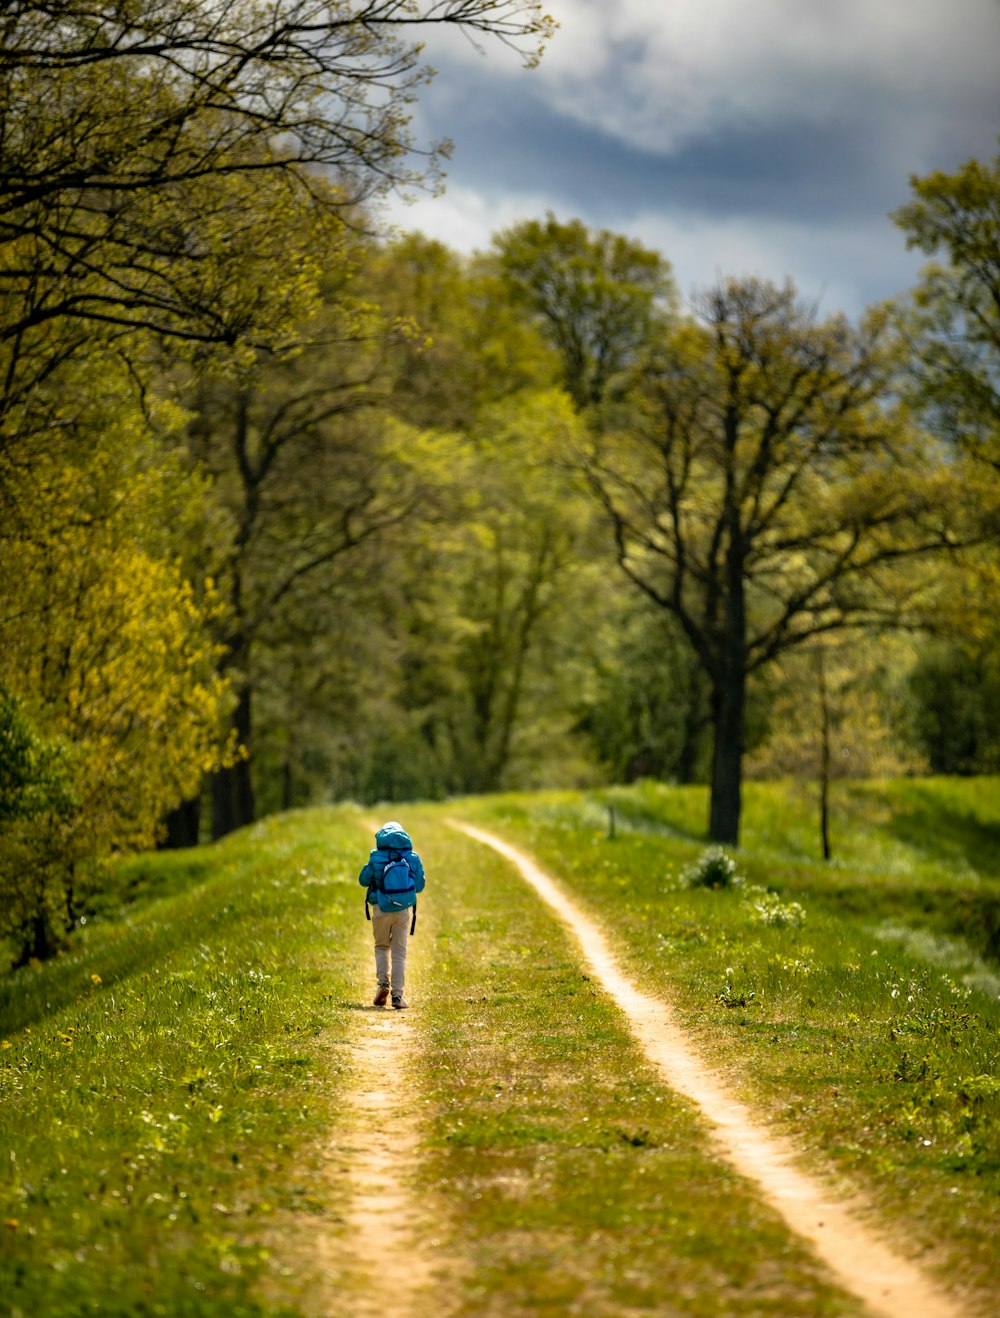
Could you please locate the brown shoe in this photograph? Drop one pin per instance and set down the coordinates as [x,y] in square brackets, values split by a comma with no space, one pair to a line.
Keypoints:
[382,995]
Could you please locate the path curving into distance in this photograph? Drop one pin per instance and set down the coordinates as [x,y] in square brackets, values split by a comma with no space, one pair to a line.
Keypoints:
[891,1286]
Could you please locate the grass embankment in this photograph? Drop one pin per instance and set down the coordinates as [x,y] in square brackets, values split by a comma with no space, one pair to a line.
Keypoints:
[161,1084]
[870,1033]
[170,1083]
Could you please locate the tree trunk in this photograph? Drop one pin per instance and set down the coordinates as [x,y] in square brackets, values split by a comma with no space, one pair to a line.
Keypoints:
[728,708]
[729,684]
[824,770]
[287,782]
[692,726]
[38,940]
[232,787]
[183,826]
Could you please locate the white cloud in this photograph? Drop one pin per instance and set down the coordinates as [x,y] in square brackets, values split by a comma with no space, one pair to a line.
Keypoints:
[834,266]
[462,218]
[830,104]
[658,74]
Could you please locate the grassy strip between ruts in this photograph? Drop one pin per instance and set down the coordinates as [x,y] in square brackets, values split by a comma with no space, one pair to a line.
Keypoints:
[851,1036]
[162,1085]
[575,1180]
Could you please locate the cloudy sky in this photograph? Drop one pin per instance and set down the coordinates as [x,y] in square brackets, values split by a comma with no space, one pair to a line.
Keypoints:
[767,137]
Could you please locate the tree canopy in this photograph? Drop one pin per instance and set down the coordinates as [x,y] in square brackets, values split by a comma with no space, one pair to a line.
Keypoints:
[598,297]
[958,216]
[763,488]
[141,144]
[292,512]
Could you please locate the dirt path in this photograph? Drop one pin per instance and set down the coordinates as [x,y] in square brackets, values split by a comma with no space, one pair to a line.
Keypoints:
[891,1286]
[396,1269]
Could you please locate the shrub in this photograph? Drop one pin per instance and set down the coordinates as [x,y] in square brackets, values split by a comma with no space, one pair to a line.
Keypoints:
[713,869]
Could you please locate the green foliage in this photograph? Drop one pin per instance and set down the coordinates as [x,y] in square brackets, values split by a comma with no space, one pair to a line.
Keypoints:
[599,298]
[165,236]
[646,710]
[958,304]
[104,641]
[957,692]
[465,345]
[34,775]
[465,634]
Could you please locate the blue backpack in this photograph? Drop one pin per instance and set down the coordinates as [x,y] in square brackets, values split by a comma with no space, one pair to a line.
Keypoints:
[396,885]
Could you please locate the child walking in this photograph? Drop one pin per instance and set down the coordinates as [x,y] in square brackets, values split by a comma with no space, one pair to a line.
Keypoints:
[393,876]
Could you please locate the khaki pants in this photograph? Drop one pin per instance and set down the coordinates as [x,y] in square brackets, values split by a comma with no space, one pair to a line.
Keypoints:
[391,930]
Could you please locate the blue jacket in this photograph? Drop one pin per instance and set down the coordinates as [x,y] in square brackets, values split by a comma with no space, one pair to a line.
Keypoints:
[389,838]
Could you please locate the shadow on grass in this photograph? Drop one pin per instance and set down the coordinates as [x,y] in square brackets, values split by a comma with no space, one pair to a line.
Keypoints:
[944,832]
[154,940]
[368,1007]
[959,911]
[660,814]
[116,952]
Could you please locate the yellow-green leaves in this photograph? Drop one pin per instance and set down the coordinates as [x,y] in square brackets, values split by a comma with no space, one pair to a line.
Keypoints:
[956,217]
[105,643]
[596,296]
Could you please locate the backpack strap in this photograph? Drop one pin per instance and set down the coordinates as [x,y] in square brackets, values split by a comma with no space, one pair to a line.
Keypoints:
[413,922]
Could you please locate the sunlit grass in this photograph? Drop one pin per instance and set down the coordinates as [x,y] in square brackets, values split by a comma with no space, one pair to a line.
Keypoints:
[870,1033]
[165,1085]
[575,1180]
[156,1081]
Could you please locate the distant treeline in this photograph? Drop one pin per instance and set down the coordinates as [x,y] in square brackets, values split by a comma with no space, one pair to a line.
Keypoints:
[290,511]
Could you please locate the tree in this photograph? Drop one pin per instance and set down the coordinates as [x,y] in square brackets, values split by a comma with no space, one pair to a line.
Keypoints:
[36,797]
[34,776]
[306,465]
[102,102]
[440,631]
[134,141]
[106,645]
[837,707]
[763,487]
[955,324]
[488,589]
[646,715]
[958,215]
[468,346]
[956,686]
[598,297]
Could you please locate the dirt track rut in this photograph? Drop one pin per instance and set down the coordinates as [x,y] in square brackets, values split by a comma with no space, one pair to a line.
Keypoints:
[890,1286]
[396,1265]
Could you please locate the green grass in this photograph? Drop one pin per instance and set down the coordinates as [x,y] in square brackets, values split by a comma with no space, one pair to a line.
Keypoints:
[158,1084]
[171,1088]
[574,1181]
[871,1033]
